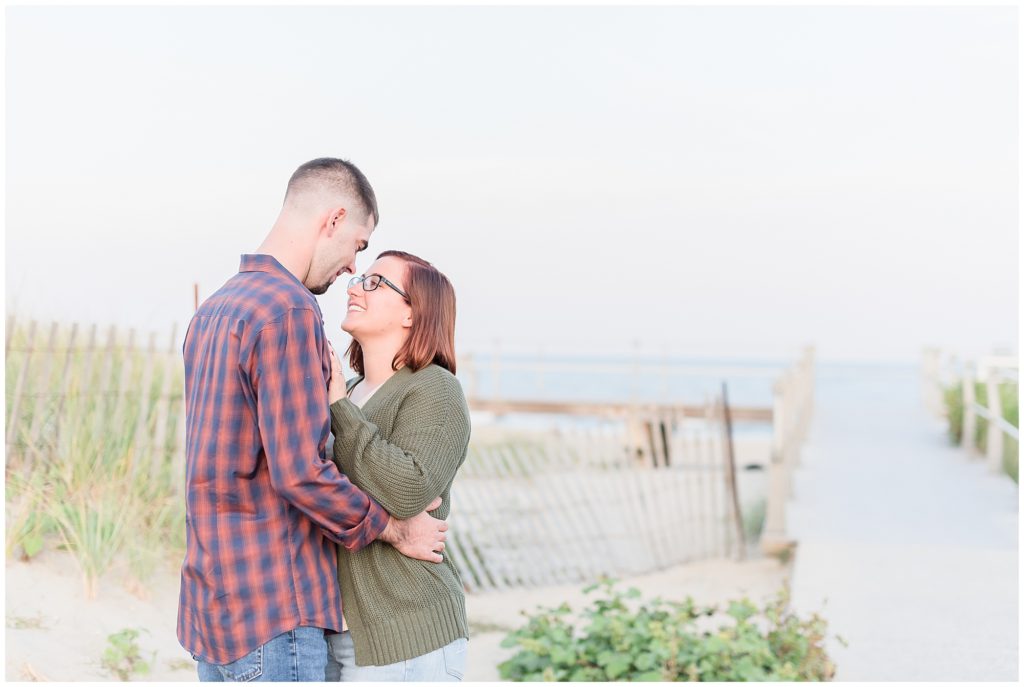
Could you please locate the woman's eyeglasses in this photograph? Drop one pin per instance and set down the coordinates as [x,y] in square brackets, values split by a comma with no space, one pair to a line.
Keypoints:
[372,281]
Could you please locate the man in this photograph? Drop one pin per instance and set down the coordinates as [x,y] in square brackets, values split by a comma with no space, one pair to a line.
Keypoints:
[259,579]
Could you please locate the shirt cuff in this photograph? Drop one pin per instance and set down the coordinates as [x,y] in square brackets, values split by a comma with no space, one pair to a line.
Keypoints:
[372,524]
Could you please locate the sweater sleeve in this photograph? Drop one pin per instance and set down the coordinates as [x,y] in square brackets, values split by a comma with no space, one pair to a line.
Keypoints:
[409,469]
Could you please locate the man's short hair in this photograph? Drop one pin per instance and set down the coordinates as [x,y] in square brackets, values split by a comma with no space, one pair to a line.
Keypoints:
[340,176]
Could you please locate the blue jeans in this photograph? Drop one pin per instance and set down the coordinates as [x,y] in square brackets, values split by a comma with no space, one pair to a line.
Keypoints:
[447,664]
[296,656]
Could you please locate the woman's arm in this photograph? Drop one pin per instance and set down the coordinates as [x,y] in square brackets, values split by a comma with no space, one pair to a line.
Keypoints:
[405,472]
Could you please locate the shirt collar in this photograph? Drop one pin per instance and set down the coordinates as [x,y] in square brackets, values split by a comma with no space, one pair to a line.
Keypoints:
[261,262]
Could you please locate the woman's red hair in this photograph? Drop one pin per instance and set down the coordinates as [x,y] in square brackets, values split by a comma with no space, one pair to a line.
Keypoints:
[432,335]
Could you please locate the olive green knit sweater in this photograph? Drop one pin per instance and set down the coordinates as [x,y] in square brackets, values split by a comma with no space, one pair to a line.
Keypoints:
[403,448]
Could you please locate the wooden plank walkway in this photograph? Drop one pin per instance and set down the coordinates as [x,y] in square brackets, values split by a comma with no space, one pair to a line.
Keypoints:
[913,543]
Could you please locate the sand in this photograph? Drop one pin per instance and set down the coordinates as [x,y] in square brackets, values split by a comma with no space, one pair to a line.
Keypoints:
[54,633]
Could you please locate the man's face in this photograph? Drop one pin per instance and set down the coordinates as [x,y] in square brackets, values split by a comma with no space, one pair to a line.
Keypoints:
[336,250]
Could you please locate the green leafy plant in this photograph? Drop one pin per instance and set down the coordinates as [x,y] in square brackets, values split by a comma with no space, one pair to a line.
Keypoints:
[28,522]
[181,664]
[123,657]
[623,638]
[35,622]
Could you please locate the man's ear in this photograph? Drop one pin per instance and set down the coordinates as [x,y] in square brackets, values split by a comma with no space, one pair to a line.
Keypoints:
[335,217]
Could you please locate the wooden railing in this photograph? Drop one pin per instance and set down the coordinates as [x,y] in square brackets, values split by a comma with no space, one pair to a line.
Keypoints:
[990,370]
[792,411]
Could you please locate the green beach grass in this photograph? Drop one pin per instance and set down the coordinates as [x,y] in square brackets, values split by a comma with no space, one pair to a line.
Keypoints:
[84,472]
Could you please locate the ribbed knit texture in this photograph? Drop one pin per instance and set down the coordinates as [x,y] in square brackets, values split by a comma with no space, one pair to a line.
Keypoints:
[403,448]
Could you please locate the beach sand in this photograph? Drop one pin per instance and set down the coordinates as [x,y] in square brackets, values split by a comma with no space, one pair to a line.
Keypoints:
[54,633]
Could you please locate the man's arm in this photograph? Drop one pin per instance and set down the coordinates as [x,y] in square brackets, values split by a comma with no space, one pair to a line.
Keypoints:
[286,373]
[291,399]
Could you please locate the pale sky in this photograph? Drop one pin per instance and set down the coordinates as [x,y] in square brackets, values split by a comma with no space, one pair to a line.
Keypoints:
[698,180]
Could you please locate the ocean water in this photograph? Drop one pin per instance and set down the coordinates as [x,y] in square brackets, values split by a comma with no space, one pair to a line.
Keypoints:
[749,382]
[617,379]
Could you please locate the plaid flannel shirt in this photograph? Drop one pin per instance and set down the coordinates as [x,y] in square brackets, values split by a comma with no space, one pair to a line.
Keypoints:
[263,500]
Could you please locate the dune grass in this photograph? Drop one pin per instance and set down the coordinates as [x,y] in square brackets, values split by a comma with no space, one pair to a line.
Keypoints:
[84,471]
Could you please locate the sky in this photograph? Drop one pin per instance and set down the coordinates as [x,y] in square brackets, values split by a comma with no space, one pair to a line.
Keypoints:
[676,180]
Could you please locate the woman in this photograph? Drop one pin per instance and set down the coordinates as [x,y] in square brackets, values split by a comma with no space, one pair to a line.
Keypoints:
[401,430]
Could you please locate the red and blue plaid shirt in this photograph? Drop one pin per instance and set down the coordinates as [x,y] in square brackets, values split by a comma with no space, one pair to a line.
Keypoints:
[263,500]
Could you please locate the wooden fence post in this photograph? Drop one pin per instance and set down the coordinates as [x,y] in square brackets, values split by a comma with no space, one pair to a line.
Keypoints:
[970,418]
[730,477]
[774,539]
[994,440]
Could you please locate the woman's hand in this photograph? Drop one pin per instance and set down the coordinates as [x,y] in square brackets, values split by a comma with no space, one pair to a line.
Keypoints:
[336,387]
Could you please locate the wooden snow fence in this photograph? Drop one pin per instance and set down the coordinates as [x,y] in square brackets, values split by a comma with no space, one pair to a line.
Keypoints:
[574,509]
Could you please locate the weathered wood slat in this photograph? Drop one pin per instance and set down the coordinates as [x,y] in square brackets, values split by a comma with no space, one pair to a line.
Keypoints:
[461,522]
[530,539]
[127,363]
[141,439]
[104,383]
[65,381]
[625,522]
[47,357]
[9,334]
[582,523]
[163,411]
[474,501]
[13,418]
[554,514]
[533,571]
[601,504]
[702,523]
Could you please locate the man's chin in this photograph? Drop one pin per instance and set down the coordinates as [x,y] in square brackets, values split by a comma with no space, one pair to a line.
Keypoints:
[320,290]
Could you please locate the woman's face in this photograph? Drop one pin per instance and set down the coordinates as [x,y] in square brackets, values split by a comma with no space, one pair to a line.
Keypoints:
[383,311]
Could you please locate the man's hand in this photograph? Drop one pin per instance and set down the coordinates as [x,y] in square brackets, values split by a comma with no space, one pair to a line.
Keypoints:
[421,536]
[336,387]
